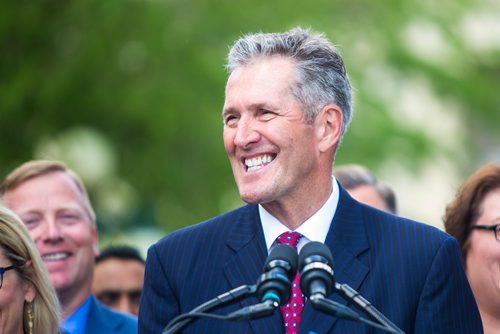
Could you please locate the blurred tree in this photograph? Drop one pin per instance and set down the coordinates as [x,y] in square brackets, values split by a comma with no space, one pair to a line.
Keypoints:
[146,78]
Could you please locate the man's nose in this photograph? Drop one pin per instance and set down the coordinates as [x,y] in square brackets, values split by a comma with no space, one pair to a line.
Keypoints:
[246,132]
[52,231]
[126,305]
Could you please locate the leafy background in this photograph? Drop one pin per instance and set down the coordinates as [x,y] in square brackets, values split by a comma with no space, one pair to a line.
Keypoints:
[129,94]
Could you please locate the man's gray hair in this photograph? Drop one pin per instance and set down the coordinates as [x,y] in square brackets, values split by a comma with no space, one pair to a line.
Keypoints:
[321,75]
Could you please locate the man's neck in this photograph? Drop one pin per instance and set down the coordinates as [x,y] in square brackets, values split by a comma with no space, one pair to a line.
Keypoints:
[491,322]
[69,303]
[293,212]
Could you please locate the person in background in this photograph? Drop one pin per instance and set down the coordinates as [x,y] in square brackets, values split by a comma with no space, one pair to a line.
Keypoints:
[28,302]
[118,278]
[287,105]
[53,203]
[364,187]
[473,218]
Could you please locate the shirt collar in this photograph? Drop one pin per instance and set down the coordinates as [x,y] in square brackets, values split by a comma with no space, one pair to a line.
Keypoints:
[313,229]
[76,322]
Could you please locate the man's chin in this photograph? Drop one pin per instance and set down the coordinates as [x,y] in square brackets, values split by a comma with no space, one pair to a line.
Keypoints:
[60,283]
[254,197]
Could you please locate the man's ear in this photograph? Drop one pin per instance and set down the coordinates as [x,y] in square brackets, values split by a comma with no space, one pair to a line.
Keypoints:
[329,127]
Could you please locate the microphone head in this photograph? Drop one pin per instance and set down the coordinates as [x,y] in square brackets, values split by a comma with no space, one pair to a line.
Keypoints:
[315,251]
[316,273]
[285,257]
[279,270]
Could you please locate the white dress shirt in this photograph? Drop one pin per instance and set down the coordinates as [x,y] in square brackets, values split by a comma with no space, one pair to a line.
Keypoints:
[313,229]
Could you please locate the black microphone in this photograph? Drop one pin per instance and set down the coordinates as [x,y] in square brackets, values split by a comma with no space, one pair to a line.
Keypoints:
[274,286]
[279,271]
[316,273]
[317,280]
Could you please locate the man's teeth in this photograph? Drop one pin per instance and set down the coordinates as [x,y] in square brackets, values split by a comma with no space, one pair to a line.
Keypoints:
[258,162]
[55,256]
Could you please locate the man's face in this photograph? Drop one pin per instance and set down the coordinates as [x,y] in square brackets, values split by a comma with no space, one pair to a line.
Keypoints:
[273,152]
[118,284]
[52,208]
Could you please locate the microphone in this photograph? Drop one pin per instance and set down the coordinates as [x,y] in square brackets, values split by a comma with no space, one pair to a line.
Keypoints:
[316,273]
[279,271]
[317,281]
[274,286]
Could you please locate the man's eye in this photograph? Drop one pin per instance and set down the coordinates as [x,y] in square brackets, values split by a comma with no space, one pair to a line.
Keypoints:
[266,114]
[69,218]
[230,120]
[109,297]
[31,222]
[135,297]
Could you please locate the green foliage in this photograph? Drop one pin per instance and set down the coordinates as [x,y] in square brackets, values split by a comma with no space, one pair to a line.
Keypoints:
[148,76]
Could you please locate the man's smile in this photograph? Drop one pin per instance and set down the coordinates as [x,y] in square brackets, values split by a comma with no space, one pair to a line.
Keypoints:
[258,162]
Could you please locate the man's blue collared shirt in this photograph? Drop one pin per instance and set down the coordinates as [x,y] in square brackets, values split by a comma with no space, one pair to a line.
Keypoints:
[77,321]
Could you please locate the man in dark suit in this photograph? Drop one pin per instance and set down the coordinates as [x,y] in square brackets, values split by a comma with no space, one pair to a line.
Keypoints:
[287,106]
[53,203]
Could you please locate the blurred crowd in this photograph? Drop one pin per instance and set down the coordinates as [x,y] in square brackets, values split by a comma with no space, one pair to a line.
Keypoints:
[50,261]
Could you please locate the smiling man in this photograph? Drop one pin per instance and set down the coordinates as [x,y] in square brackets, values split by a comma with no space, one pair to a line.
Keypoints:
[287,106]
[53,203]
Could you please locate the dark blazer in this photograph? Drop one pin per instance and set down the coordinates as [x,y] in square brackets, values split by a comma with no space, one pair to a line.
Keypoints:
[102,320]
[409,271]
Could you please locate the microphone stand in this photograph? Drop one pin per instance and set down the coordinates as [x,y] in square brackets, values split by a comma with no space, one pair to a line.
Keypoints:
[333,308]
[260,310]
[352,295]
[183,320]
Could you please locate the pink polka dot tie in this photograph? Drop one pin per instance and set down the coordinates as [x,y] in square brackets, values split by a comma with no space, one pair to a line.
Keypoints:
[292,311]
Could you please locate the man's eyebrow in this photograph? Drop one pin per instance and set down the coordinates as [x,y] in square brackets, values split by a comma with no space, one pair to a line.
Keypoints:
[253,106]
[228,111]
[29,212]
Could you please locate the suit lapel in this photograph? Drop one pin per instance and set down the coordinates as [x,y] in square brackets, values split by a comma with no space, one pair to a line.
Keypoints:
[244,267]
[347,240]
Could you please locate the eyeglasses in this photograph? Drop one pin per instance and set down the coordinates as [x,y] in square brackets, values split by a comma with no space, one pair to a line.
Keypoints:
[494,228]
[2,271]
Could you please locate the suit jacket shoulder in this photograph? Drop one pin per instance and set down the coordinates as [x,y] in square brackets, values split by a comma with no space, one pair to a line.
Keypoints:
[411,272]
[102,320]
[197,263]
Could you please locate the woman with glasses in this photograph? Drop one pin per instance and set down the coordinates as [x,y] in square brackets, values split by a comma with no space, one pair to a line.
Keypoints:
[474,219]
[28,303]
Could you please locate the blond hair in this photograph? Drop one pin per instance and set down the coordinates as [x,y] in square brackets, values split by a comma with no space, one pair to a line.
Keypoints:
[17,246]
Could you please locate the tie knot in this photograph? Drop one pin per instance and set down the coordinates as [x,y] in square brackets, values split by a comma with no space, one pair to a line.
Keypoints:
[289,238]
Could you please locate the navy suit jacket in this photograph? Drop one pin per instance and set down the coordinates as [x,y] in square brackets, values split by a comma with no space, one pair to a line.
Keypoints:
[102,320]
[411,272]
